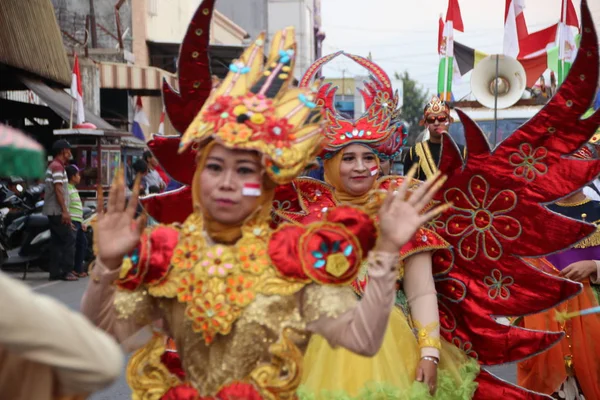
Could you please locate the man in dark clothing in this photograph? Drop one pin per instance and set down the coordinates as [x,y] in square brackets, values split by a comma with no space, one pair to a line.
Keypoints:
[56,207]
[437,120]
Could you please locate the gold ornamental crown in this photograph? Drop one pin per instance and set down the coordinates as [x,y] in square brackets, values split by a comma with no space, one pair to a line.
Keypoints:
[255,108]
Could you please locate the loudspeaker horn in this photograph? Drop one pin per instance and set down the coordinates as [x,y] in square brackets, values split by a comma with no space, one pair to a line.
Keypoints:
[512,81]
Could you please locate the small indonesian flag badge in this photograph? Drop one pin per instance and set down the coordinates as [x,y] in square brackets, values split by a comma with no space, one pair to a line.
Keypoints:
[374,170]
[251,189]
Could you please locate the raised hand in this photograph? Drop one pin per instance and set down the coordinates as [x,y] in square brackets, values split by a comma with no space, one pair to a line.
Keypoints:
[400,218]
[116,230]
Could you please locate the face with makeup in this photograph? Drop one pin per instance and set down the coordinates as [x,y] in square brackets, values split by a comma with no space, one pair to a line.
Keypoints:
[222,181]
[355,169]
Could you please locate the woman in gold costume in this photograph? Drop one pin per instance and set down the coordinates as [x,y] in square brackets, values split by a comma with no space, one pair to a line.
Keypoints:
[413,362]
[240,300]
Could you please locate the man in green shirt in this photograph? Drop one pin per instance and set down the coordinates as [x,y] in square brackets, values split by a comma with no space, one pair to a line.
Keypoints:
[76,212]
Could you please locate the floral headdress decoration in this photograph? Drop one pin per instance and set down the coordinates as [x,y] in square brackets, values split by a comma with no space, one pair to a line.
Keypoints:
[374,127]
[435,107]
[254,108]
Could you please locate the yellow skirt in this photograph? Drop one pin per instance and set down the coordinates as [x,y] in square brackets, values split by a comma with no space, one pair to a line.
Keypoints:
[340,374]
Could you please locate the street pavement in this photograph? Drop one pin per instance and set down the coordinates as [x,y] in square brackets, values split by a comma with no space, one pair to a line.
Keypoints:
[70,293]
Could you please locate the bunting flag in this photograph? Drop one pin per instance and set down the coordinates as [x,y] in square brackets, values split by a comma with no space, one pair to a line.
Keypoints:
[466,57]
[77,92]
[140,118]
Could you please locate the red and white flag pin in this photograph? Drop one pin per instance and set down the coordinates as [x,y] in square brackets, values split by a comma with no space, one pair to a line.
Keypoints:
[374,170]
[251,189]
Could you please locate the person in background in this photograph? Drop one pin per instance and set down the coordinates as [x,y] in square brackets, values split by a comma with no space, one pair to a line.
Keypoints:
[56,207]
[129,174]
[140,168]
[76,211]
[156,176]
[437,120]
[48,351]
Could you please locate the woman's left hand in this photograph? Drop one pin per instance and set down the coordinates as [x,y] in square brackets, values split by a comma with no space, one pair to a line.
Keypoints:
[427,373]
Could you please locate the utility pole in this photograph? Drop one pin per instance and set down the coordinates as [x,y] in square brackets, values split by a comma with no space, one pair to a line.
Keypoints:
[93,25]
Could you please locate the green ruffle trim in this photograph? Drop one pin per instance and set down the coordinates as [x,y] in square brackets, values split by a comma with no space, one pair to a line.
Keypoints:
[447,389]
[24,163]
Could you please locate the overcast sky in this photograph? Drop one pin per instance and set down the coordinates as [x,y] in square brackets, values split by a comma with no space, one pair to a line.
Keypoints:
[402,34]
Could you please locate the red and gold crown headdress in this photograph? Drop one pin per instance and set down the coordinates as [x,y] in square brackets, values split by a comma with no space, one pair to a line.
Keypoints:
[436,106]
[254,108]
[375,126]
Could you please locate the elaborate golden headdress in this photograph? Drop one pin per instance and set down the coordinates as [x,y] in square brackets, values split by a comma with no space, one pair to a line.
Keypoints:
[256,109]
[435,106]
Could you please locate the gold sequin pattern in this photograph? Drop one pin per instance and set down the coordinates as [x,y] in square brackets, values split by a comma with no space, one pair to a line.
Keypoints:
[136,304]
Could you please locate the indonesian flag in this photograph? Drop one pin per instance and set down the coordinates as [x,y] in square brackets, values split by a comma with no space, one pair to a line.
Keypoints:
[374,170]
[251,189]
[77,91]
[515,27]
[161,124]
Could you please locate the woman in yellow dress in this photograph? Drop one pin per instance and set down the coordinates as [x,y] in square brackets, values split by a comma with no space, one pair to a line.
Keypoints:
[413,362]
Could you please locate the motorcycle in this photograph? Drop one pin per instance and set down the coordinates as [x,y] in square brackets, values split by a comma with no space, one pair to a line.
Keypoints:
[25,231]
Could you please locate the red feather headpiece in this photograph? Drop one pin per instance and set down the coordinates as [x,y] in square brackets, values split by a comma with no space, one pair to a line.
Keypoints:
[375,126]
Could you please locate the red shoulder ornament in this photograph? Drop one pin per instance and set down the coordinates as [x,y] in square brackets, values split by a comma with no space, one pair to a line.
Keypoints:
[327,252]
[303,201]
[150,261]
[499,217]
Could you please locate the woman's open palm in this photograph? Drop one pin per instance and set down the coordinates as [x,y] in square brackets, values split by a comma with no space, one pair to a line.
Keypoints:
[400,218]
[117,231]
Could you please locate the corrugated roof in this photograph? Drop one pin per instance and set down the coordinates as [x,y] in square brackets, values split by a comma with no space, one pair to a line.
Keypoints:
[30,40]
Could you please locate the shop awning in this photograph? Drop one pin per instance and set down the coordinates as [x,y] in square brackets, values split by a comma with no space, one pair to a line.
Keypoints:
[60,102]
[30,40]
[133,77]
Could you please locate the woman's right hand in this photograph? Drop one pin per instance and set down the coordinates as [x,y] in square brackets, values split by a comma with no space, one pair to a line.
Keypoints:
[116,229]
[400,218]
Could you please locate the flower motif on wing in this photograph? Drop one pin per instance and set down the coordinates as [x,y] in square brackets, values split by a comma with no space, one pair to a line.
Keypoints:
[481,219]
[383,100]
[498,285]
[528,161]
[218,261]
[466,347]
[279,133]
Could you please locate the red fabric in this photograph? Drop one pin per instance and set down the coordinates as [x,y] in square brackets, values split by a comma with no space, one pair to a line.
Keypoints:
[453,14]
[303,252]
[169,207]
[537,42]
[184,392]
[304,200]
[154,257]
[571,18]
[534,67]
[491,388]
[163,174]
[239,391]
[180,167]
[195,83]
[172,361]
[499,216]
[441,26]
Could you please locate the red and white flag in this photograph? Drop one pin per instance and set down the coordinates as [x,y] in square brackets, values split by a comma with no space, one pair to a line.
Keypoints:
[515,27]
[374,170]
[251,189]
[77,91]
[161,124]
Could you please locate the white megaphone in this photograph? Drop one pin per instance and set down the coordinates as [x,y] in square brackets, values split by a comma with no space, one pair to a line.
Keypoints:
[511,81]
